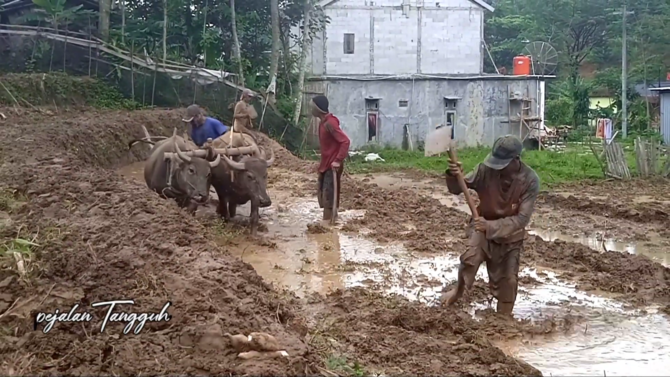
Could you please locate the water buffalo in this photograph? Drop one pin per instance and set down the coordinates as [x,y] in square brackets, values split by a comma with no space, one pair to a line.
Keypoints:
[191,176]
[249,184]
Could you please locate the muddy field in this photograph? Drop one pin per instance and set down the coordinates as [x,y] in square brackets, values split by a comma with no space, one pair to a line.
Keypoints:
[100,235]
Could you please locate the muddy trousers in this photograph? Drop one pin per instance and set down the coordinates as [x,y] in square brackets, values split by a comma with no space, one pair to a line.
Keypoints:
[325,193]
[502,263]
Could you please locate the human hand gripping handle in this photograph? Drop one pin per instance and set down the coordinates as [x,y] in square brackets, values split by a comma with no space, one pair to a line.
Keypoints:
[455,169]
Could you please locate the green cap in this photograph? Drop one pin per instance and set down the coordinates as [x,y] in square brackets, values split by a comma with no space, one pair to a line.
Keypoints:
[505,149]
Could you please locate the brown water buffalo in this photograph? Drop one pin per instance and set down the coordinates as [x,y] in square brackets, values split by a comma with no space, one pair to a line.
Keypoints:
[249,185]
[190,179]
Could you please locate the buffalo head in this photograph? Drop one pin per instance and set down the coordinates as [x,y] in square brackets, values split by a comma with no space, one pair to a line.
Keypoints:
[252,176]
[193,175]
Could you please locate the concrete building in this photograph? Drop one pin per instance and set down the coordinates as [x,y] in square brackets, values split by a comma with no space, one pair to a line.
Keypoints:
[664,94]
[398,68]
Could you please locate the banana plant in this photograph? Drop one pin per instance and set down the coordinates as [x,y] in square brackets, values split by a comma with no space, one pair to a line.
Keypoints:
[54,13]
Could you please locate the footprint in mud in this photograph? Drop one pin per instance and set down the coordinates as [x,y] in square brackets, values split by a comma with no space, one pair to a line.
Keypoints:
[316,228]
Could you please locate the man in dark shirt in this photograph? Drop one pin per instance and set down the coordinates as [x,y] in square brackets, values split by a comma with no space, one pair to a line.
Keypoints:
[507,190]
[201,127]
[334,145]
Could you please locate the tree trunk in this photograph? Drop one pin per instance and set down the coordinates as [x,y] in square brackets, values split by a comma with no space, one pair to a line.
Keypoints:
[53,45]
[286,61]
[236,42]
[122,5]
[204,30]
[306,44]
[274,63]
[103,19]
[165,22]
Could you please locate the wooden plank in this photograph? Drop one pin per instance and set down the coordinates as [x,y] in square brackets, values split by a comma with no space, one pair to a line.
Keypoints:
[616,161]
[639,159]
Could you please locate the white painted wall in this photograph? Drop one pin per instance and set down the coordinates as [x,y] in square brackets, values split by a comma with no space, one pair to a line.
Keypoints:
[435,37]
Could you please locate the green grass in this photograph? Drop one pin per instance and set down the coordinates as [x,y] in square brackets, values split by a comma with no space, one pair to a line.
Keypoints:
[344,367]
[576,163]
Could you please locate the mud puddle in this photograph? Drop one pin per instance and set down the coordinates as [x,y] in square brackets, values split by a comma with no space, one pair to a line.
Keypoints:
[612,339]
[652,248]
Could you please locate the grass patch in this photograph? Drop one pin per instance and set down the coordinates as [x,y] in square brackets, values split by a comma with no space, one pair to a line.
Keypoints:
[18,253]
[226,233]
[58,88]
[576,163]
[342,366]
[323,341]
[10,200]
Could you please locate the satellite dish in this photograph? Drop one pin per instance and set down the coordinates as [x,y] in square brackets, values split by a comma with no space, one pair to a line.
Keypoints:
[544,57]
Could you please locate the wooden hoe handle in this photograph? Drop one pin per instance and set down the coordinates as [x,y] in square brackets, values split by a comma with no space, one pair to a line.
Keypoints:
[464,187]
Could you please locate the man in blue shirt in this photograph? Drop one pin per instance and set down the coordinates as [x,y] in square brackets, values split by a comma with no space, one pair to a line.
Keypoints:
[201,127]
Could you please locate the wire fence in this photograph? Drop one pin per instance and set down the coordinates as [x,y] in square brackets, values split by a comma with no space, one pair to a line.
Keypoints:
[142,78]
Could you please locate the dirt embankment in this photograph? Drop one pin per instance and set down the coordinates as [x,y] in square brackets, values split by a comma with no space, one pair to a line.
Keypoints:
[648,212]
[99,237]
[642,201]
[102,238]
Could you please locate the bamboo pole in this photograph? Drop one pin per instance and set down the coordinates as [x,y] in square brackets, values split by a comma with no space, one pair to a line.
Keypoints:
[132,69]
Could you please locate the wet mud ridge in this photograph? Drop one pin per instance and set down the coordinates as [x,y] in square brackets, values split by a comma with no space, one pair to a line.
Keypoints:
[76,232]
[650,212]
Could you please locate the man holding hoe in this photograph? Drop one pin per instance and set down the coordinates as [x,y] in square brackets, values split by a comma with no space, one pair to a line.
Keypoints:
[507,190]
[244,113]
[334,145]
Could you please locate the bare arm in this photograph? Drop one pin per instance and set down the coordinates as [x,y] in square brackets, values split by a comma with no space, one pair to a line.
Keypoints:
[507,226]
[240,111]
[471,180]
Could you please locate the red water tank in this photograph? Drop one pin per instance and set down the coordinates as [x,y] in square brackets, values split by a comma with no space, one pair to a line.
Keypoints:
[521,65]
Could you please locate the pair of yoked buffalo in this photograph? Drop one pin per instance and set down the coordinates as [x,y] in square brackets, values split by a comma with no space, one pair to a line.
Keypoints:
[190,178]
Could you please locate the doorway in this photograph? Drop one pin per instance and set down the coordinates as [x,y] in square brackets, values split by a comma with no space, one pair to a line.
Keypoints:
[372,119]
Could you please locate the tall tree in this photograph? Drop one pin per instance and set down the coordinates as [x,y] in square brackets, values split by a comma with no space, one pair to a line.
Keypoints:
[105,11]
[165,24]
[236,39]
[274,59]
[305,45]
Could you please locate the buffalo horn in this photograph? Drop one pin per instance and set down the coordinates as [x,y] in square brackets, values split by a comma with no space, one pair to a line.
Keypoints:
[216,161]
[183,156]
[271,159]
[146,133]
[233,164]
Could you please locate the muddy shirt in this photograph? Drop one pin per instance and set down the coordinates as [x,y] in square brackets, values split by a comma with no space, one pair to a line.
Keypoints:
[334,143]
[506,204]
[244,114]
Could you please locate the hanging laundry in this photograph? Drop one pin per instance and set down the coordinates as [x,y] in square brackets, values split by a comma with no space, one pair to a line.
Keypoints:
[608,129]
[372,126]
[600,128]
